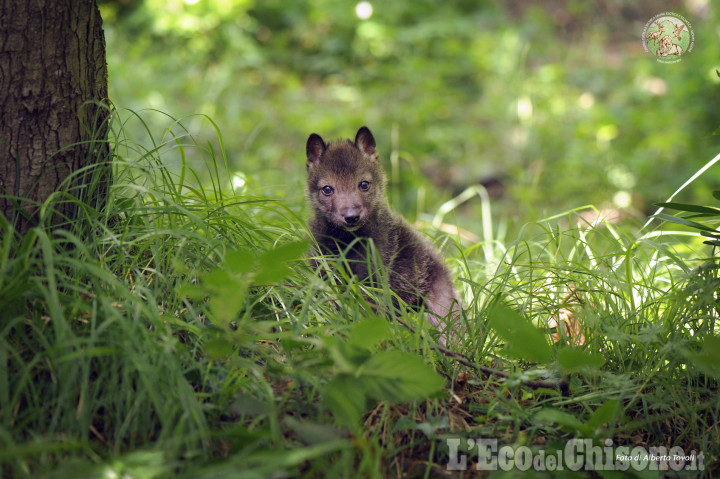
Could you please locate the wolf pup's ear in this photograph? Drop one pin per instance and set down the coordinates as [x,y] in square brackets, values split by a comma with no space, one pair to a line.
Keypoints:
[366,143]
[315,148]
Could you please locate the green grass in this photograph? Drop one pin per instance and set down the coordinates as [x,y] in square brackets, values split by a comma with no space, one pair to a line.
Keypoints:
[179,331]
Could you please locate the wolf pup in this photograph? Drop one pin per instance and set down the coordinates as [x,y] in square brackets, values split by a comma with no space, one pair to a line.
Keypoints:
[346,188]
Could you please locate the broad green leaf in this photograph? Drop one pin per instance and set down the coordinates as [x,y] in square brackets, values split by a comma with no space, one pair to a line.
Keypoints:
[218,348]
[311,432]
[555,416]
[573,360]
[707,359]
[192,291]
[347,358]
[386,376]
[399,376]
[522,338]
[272,264]
[346,399]
[225,309]
[369,332]
[270,274]
[239,261]
[607,413]
[285,253]
[716,193]
[227,294]
[219,279]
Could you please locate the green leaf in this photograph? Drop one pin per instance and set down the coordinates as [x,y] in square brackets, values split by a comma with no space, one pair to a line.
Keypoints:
[217,278]
[716,193]
[273,264]
[683,221]
[347,358]
[707,359]
[399,376]
[218,348]
[227,293]
[313,433]
[270,274]
[386,376]
[369,332]
[192,291]
[607,413]
[284,253]
[345,398]
[239,261]
[296,249]
[523,339]
[555,416]
[703,210]
[573,360]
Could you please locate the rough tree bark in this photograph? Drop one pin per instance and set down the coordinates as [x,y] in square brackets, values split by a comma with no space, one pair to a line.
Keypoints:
[53,113]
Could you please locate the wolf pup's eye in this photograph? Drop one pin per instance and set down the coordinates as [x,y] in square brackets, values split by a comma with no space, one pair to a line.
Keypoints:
[327,190]
[364,185]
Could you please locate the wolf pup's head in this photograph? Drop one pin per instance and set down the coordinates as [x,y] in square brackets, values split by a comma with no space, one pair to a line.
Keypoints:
[345,182]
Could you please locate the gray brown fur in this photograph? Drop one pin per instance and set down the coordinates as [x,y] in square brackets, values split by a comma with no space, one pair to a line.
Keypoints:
[346,188]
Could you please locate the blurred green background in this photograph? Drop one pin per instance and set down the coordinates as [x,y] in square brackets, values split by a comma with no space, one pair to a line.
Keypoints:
[552,105]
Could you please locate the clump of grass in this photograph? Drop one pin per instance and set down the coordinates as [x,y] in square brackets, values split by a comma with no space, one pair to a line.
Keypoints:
[630,319]
[93,360]
[178,329]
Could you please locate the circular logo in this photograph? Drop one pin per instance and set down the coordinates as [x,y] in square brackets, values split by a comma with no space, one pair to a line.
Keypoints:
[668,35]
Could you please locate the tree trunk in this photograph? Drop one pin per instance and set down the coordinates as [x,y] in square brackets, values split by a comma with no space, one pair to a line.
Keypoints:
[53,111]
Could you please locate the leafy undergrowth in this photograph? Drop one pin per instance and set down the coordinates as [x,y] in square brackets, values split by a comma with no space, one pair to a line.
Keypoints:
[180,332]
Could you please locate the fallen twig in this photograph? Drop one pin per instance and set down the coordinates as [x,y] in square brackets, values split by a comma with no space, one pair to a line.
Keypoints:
[561,385]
